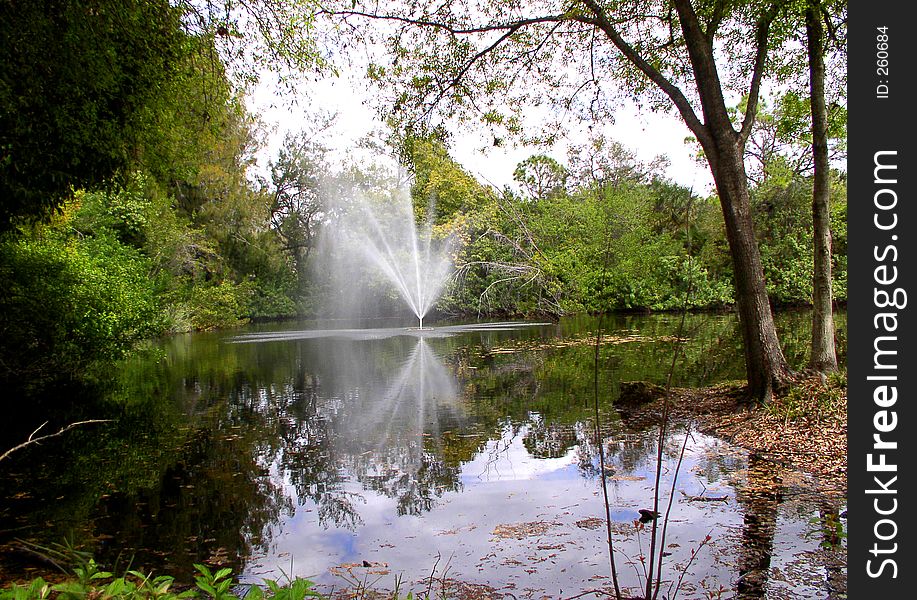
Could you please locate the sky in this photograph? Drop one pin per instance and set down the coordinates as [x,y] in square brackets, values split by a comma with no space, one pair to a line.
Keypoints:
[648,135]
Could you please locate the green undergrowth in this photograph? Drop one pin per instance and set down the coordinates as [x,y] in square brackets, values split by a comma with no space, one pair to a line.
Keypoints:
[813,398]
[89,582]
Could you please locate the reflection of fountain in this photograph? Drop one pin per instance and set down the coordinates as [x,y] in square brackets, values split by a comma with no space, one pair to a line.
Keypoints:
[421,381]
[387,236]
[401,421]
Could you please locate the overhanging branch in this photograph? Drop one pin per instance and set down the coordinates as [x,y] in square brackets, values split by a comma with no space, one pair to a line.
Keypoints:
[600,19]
[467,66]
[37,440]
[451,29]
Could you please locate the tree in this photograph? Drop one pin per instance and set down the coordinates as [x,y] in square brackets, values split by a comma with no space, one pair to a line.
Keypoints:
[255,37]
[799,137]
[82,82]
[482,61]
[75,81]
[297,206]
[541,176]
[603,162]
[823,356]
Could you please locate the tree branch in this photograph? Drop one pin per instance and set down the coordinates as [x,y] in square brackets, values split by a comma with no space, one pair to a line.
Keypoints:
[754,91]
[37,440]
[465,68]
[675,94]
[453,30]
[719,13]
[832,29]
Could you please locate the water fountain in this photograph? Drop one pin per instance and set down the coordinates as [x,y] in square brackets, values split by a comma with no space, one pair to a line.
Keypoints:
[386,235]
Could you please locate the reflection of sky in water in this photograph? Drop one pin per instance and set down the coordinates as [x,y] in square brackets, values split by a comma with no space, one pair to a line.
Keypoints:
[469,448]
[510,489]
[386,434]
[508,460]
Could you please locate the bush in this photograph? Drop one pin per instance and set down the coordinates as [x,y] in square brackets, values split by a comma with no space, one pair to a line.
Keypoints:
[70,306]
[89,581]
[221,305]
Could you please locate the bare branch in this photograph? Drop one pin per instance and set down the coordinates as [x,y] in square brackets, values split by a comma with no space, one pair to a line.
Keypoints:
[37,440]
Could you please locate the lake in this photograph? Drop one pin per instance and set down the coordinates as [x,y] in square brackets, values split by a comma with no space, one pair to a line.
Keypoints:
[463,455]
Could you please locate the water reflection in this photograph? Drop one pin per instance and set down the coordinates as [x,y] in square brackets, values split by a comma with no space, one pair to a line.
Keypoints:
[760,497]
[390,445]
[386,432]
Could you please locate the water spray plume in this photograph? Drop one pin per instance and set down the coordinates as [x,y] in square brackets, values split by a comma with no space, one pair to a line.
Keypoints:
[387,236]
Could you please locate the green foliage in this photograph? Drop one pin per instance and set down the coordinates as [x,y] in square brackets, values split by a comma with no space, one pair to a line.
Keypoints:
[130,113]
[37,589]
[439,180]
[74,93]
[617,239]
[541,176]
[215,585]
[296,590]
[142,150]
[839,240]
[780,147]
[783,221]
[609,242]
[812,400]
[830,530]
[88,581]
[70,306]
[215,306]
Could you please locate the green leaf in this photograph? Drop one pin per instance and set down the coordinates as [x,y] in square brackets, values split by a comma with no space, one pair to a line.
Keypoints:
[222,573]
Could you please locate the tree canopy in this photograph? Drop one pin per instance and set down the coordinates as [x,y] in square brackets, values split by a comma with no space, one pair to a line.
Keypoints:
[76,80]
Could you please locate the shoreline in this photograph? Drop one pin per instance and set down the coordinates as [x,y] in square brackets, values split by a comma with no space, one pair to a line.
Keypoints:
[804,429]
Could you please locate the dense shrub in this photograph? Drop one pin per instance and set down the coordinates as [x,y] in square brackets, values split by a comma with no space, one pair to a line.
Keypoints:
[71,305]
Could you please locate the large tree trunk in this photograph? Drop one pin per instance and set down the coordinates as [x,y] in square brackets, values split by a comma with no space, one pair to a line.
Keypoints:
[824,358]
[724,148]
[765,364]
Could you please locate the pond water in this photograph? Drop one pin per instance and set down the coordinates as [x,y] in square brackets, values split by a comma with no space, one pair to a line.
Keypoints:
[462,455]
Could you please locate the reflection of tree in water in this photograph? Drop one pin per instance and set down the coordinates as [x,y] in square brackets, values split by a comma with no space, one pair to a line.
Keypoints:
[334,429]
[300,438]
[312,467]
[759,498]
[282,422]
[719,461]
[712,351]
[549,396]
[544,439]
[625,451]
[409,474]
[214,504]
[250,418]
